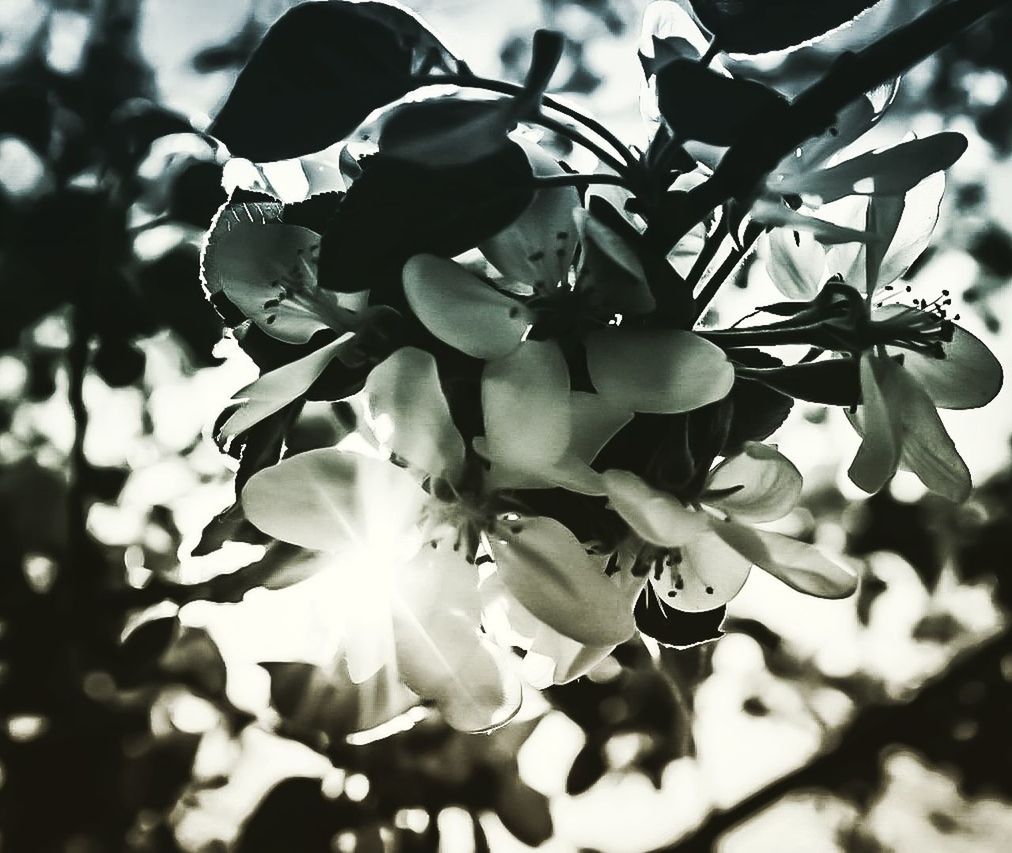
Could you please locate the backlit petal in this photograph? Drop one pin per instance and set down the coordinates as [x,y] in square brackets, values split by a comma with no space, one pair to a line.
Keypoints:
[538,247]
[968,377]
[799,565]
[405,391]
[268,271]
[704,574]
[796,263]
[331,500]
[879,426]
[655,516]
[928,450]
[657,370]
[771,484]
[275,390]
[463,311]
[525,400]
[441,653]
[549,572]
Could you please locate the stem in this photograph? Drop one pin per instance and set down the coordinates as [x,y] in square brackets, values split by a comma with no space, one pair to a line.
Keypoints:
[724,271]
[711,51]
[574,135]
[733,338]
[764,143]
[77,366]
[709,251]
[513,89]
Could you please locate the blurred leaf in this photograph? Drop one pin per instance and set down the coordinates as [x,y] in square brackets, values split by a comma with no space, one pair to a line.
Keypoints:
[588,768]
[294,815]
[320,70]
[699,103]
[759,26]
[524,811]
[196,193]
[142,648]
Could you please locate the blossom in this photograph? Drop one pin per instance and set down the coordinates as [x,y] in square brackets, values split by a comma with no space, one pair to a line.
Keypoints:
[266,268]
[913,358]
[706,550]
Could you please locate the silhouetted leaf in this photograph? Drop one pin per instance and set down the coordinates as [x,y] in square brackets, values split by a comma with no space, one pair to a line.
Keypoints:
[759,26]
[699,103]
[320,70]
[676,628]
[397,210]
[588,767]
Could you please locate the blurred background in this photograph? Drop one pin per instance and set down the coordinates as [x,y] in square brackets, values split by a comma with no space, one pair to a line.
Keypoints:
[157,689]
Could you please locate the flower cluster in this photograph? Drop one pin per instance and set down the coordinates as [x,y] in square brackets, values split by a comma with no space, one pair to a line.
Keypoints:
[544,448]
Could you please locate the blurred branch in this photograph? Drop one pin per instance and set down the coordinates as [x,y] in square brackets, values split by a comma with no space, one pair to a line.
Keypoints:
[856,756]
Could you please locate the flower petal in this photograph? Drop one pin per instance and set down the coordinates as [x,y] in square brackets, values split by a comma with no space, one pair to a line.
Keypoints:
[331,500]
[278,388]
[928,450]
[463,311]
[890,172]
[799,565]
[441,653]
[657,370]
[879,453]
[405,390]
[704,574]
[968,377]
[550,573]
[268,271]
[655,516]
[538,247]
[771,484]
[525,400]
[796,263]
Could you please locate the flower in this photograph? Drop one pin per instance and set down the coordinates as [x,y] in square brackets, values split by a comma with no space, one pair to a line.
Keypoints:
[705,551]
[266,268]
[646,370]
[913,358]
[406,605]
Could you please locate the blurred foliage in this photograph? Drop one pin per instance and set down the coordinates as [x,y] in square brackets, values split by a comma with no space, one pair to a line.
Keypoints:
[109,699]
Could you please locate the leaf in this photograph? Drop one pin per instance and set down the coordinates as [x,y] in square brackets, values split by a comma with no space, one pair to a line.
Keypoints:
[320,70]
[760,26]
[772,213]
[587,769]
[676,628]
[451,131]
[524,811]
[397,210]
[699,103]
[834,382]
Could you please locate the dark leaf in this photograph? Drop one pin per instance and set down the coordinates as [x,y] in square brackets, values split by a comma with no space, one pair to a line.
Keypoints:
[524,812]
[833,382]
[320,70]
[397,210]
[196,193]
[759,26]
[699,103]
[294,815]
[144,645]
[230,525]
[135,124]
[676,628]
[588,767]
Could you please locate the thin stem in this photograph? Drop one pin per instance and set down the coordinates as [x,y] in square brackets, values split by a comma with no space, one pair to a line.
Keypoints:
[724,271]
[513,89]
[711,244]
[711,51]
[731,338]
[574,135]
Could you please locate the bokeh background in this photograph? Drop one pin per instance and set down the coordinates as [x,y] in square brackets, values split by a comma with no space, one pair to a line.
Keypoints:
[136,712]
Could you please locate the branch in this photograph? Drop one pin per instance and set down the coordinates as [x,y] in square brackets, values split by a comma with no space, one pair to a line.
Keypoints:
[856,755]
[766,142]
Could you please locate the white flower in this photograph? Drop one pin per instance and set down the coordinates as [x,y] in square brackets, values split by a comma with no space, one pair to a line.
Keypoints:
[705,551]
